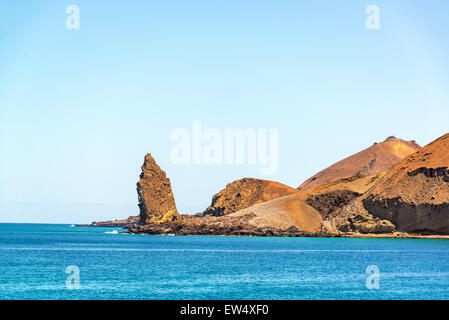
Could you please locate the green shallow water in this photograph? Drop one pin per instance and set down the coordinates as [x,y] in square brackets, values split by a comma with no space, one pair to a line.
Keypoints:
[34,258]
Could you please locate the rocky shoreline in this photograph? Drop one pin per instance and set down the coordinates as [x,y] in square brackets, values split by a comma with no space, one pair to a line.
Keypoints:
[389,190]
[189,225]
[132,221]
[219,226]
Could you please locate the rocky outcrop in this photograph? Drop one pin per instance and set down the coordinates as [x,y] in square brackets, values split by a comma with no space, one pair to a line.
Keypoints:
[224,225]
[156,200]
[354,218]
[371,161]
[327,202]
[431,173]
[410,199]
[122,223]
[414,194]
[425,218]
[342,211]
[244,193]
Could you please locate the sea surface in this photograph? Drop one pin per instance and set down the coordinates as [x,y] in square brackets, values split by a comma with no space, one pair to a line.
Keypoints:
[34,259]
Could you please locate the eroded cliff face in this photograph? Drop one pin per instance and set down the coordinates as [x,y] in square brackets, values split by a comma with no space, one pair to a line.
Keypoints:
[354,218]
[341,209]
[244,193]
[328,202]
[414,194]
[425,218]
[156,200]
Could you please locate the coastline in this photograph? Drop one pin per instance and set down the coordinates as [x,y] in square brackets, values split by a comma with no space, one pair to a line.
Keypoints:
[292,232]
[348,236]
[323,236]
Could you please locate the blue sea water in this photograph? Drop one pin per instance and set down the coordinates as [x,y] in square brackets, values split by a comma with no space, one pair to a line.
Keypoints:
[34,258]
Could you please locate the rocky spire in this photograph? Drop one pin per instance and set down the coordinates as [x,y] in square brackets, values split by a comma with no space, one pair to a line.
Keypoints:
[156,200]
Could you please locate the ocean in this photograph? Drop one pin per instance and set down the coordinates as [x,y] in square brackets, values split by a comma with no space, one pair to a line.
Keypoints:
[44,261]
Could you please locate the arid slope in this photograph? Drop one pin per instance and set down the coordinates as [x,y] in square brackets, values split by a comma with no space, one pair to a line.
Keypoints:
[307,210]
[371,161]
[284,212]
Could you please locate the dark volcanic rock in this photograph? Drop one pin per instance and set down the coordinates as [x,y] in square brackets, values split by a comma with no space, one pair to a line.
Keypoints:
[124,223]
[425,218]
[156,200]
[225,225]
[327,202]
[353,217]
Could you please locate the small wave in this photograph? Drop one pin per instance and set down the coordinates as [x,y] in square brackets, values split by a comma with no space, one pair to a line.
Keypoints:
[112,232]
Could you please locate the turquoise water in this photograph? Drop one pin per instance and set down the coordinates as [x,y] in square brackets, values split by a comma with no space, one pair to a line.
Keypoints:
[34,258]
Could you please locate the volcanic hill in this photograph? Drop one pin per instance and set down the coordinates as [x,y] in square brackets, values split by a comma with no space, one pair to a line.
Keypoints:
[244,193]
[371,161]
[414,194]
[392,189]
[325,205]
[308,210]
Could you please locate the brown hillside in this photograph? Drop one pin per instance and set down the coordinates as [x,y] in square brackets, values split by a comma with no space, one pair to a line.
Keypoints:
[284,212]
[369,162]
[309,210]
[414,194]
[359,184]
[244,193]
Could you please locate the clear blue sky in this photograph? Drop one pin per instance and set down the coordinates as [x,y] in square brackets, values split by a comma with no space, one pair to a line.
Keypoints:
[80,108]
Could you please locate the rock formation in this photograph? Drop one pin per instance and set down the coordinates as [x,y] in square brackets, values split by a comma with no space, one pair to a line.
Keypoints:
[156,201]
[328,202]
[315,211]
[414,194]
[352,218]
[225,225]
[244,193]
[122,223]
[408,199]
[371,161]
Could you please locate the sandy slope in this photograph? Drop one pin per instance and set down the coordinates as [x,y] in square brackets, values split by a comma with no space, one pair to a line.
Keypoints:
[291,210]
